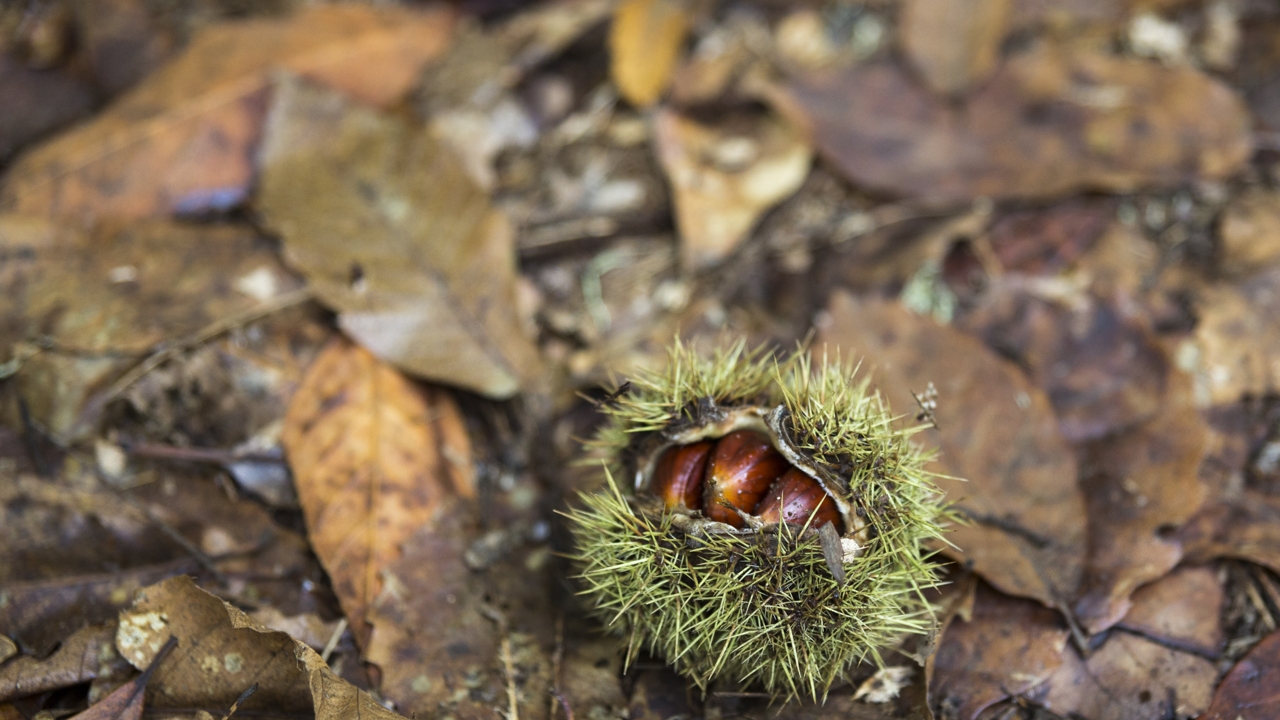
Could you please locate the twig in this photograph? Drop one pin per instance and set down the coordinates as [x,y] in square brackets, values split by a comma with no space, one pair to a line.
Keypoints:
[333,640]
[243,696]
[557,664]
[508,663]
[169,349]
[215,456]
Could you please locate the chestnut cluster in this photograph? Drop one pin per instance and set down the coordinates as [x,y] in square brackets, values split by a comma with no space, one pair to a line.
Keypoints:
[741,471]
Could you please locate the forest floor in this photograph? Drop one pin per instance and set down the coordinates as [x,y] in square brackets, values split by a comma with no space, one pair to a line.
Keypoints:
[308,308]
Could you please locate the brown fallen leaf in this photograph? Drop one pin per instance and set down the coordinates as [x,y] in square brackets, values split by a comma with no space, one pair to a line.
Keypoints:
[1251,691]
[1250,231]
[87,654]
[1183,609]
[1237,340]
[7,648]
[1008,648]
[120,41]
[375,458]
[659,694]
[125,702]
[1048,240]
[725,177]
[222,652]
[954,44]
[1139,487]
[1130,678]
[431,286]
[1026,517]
[183,140]
[645,41]
[1103,368]
[101,302]
[37,101]
[1049,122]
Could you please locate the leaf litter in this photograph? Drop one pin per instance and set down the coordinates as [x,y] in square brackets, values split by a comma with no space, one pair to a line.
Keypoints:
[317,313]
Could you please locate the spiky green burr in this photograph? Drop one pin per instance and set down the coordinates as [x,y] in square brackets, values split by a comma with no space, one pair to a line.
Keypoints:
[761,607]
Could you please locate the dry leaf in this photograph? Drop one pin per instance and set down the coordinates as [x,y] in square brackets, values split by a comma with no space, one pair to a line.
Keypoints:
[1139,487]
[724,178]
[1250,231]
[37,101]
[954,44]
[7,648]
[1131,678]
[1009,647]
[1049,122]
[1236,348]
[645,41]
[375,459]
[126,701]
[222,651]
[431,284]
[87,654]
[183,140]
[1183,609]
[1248,692]
[103,302]
[995,430]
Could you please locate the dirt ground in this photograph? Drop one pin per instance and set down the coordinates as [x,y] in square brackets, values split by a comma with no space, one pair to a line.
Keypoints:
[309,308]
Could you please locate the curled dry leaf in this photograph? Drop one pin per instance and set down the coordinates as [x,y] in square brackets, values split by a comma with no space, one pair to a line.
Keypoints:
[221,652]
[183,140]
[106,300]
[725,177]
[1049,122]
[375,458]
[1007,648]
[954,44]
[1025,533]
[1139,487]
[431,284]
[1182,609]
[1248,692]
[87,654]
[1130,678]
[645,41]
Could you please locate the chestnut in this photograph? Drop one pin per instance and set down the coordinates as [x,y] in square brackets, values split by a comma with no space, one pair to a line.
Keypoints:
[743,466]
[793,498]
[678,478]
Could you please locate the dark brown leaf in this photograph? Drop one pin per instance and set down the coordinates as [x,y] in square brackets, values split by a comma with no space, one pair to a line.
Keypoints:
[1051,121]
[1251,691]
[87,654]
[953,44]
[1006,649]
[1184,609]
[1025,533]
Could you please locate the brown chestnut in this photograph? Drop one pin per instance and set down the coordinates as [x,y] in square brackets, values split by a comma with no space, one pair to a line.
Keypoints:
[677,480]
[743,466]
[793,498]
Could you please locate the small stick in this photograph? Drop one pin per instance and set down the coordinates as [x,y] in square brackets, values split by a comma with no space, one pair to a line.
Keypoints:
[243,696]
[333,640]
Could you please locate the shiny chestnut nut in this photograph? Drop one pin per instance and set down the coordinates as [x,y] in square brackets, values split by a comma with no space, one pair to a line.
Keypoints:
[743,466]
[794,498]
[677,480]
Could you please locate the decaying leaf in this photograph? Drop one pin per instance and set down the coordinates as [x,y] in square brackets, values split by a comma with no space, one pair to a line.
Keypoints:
[431,283]
[87,654]
[1050,121]
[954,44]
[1009,647]
[725,177]
[1184,609]
[102,302]
[222,652]
[183,140]
[375,458]
[1139,486]
[645,41]
[994,429]
[126,701]
[1249,691]
[1131,678]
[1237,341]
